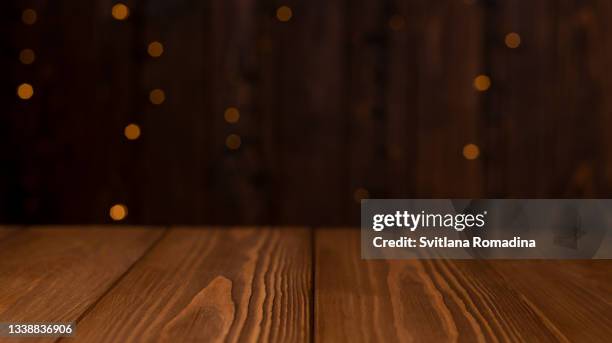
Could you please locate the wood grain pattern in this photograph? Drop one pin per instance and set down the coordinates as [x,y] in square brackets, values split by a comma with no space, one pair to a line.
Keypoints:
[56,274]
[447,114]
[311,113]
[575,295]
[248,284]
[467,301]
[346,95]
[211,285]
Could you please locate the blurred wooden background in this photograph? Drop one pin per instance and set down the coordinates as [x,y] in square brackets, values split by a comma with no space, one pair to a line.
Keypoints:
[346,99]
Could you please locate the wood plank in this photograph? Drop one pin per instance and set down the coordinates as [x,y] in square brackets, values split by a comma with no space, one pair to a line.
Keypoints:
[367,83]
[446,115]
[311,80]
[54,274]
[237,284]
[540,93]
[238,177]
[575,295]
[179,170]
[437,300]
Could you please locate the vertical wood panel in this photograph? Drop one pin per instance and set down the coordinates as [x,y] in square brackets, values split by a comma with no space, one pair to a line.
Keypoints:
[311,113]
[523,98]
[401,95]
[238,181]
[367,82]
[601,41]
[578,148]
[447,111]
[11,194]
[175,133]
[589,28]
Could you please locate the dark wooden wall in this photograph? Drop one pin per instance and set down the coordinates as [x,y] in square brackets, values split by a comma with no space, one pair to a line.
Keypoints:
[348,98]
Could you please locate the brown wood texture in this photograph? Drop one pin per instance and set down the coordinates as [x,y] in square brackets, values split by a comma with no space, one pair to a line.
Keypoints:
[464,301]
[54,274]
[347,95]
[247,284]
[211,285]
[546,108]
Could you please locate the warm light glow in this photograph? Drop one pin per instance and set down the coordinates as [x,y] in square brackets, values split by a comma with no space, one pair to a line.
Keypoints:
[482,83]
[361,193]
[132,132]
[120,11]
[513,40]
[233,141]
[155,49]
[157,96]
[29,16]
[284,13]
[471,151]
[25,91]
[118,212]
[232,115]
[396,22]
[27,56]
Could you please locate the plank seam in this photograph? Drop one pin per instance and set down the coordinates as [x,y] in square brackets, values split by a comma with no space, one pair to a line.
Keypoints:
[117,280]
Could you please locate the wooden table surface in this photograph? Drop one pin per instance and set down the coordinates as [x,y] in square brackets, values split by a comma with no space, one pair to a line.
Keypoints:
[126,284]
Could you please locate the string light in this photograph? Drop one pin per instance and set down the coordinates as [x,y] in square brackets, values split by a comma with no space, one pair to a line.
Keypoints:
[471,151]
[120,11]
[482,83]
[396,22]
[118,212]
[360,193]
[157,96]
[27,56]
[25,91]
[513,40]
[29,16]
[284,13]
[155,49]
[233,141]
[232,115]
[132,132]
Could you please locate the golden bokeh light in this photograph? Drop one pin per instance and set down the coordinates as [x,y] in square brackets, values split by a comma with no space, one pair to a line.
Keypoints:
[120,11]
[29,16]
[233,141]
[360,194]
[157,96]
[396,22]
[27,56]
[513,40]
[284,13]
[118,212]
[232,115]
[155,49]
[132,132]
[482,83]
[471,151]
[25,91]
